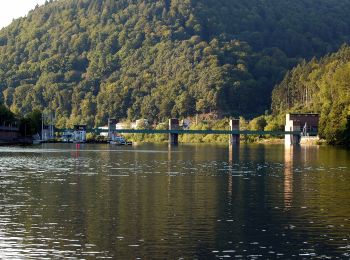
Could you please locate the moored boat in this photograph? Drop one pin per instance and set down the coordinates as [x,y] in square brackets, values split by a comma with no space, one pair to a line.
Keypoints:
[119,140]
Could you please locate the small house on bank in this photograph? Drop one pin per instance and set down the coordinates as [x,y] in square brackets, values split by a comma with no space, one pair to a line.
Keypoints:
[79,134]
[306,124]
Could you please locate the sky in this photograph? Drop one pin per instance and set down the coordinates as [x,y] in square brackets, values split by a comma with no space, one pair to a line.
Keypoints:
[11,9]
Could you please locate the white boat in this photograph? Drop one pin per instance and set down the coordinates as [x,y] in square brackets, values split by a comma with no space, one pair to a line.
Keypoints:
[119,140]
[79,141]
[67,137]
[37,140]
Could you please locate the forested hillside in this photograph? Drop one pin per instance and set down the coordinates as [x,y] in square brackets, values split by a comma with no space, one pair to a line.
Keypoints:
[92,59]
[321,86]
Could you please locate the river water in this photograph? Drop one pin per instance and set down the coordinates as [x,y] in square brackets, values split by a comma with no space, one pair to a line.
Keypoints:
[186,202]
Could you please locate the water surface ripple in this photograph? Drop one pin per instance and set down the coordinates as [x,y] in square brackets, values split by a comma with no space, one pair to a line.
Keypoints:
[185,202]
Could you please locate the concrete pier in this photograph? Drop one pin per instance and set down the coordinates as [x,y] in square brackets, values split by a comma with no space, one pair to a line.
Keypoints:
[173,125]
[111,127]
[292,126]
[234,126]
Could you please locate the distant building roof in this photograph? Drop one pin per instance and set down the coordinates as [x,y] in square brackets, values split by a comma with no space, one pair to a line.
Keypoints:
[310,119]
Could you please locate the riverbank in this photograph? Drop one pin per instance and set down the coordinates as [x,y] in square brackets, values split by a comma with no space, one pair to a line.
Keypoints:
[17,141]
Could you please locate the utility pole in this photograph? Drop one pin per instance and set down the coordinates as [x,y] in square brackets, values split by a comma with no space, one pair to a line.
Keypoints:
[109,130]
[51,127]
[42,126]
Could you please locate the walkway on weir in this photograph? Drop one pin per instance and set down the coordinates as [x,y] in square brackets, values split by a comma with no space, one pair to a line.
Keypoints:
[293,136]
[205,132]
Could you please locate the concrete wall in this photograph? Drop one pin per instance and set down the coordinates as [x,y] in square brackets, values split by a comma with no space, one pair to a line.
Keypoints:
[292,125]
[234,125]
[173,125]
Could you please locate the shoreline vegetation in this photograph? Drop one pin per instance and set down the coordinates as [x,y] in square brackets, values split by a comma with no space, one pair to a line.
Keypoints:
[262,123]
[206,139]
[30,125]
[207,122]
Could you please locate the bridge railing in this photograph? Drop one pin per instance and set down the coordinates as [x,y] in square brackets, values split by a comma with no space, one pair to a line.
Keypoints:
[206,132]
[217,132]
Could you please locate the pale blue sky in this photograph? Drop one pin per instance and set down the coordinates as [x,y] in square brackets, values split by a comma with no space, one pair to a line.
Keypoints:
[11,9]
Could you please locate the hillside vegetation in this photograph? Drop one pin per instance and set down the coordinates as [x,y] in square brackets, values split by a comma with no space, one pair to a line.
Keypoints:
[88,60]
[321,86]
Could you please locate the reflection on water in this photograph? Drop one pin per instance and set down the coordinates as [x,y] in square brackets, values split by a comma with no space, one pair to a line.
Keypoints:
[186,201]
[288,175]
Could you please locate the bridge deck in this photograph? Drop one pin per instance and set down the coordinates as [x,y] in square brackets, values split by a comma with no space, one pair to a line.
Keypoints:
[205,132]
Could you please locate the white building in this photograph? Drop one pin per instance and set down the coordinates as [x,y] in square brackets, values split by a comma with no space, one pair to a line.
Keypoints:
[68,136]
[305,124]
[104,130]
[186,123]
[79,134]
[140,123]
[121,125]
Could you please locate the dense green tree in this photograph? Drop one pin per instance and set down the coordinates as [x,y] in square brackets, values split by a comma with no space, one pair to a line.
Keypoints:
[90,60]
[258,123]
[6,116]
[346,133]
[31,123]
[321,86]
